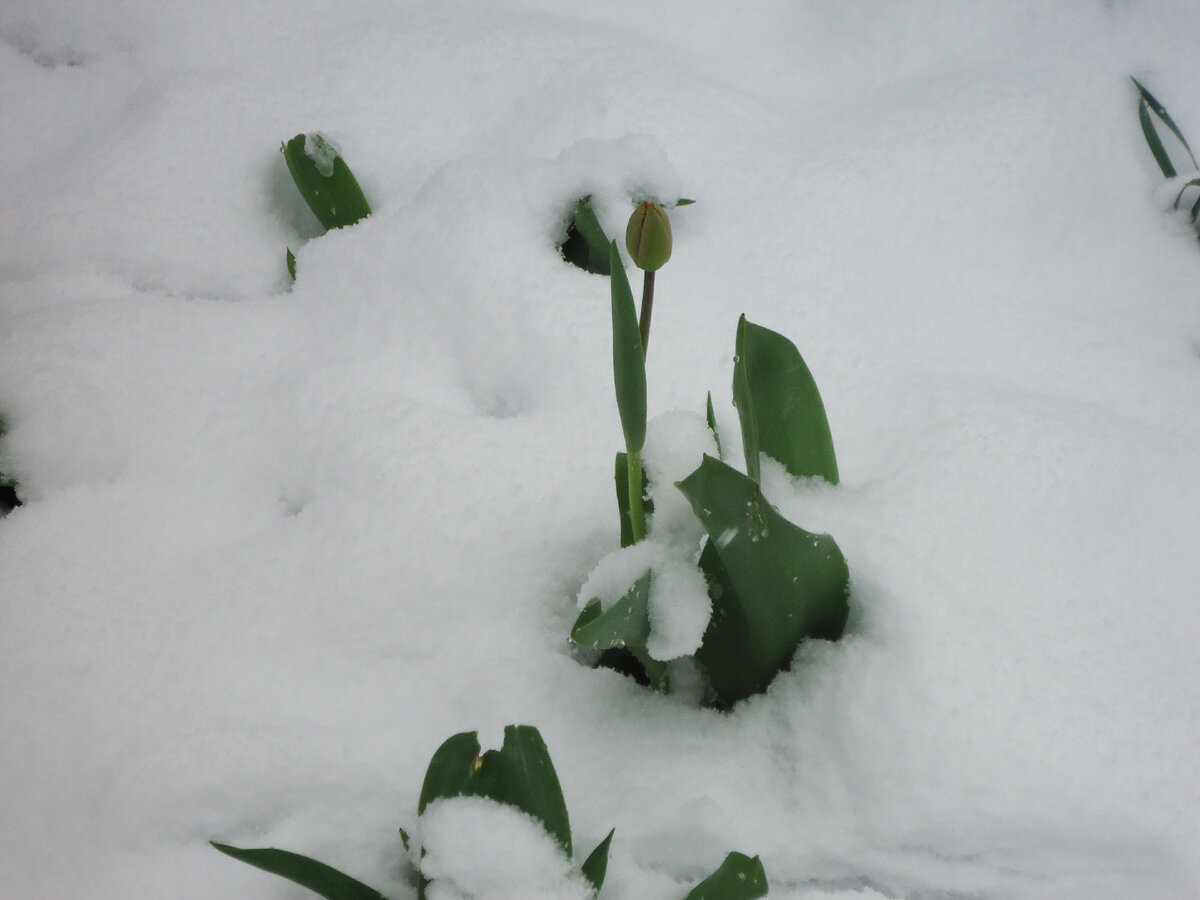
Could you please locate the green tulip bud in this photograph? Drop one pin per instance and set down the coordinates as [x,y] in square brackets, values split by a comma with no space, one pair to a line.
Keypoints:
[648,237]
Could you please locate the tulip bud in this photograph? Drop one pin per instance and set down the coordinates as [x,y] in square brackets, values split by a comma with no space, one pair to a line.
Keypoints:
[648,237]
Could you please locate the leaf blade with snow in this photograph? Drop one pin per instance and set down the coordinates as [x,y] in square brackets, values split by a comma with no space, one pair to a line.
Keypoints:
[522,774]
[595,867]
[624,625]
[334,195]
[779,585]
[739,877]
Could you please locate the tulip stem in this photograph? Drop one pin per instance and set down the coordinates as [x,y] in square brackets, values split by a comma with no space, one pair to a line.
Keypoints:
[647,309]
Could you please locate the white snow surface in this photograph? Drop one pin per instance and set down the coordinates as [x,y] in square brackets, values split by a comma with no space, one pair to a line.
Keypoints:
[279,542]
[322,152]
[476,848]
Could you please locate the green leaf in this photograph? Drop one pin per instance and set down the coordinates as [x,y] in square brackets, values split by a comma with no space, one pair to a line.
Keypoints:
[773,583]
[684,201]
[1154,142]
[521,774]
[450,769]
[779,406]
[712,425]
[1195,182]
[324,880]
[595,867]
[591,611]
[586,245]
[629,363]
[1151,133]
[625,624]
[291,263]
[333,195]
[739,877]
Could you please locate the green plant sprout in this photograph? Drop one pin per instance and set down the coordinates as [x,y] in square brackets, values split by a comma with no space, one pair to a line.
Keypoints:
[326,184]
[772,584]
[1147,104]
[520,774]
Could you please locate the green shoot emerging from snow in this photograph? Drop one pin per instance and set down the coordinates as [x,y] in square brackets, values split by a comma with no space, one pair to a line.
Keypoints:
[772,584]
[1147,104]
[326,184]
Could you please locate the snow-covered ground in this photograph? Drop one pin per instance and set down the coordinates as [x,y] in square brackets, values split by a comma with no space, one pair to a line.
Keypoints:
[279,542]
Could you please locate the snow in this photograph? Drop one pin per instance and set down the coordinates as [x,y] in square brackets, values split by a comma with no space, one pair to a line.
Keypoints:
[679,606]
[278,542]
[322,152]
[477,848]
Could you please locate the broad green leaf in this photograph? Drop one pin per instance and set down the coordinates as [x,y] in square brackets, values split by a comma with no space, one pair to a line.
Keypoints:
[711,416]
[779,406]
[1148,103]
[324,880]
[450,769]
[333,195]
[624,625]
[519,774]
[595,867]
[684,201]
[739,877]
[522,775]
[586,245]
[629,364]
[776,584]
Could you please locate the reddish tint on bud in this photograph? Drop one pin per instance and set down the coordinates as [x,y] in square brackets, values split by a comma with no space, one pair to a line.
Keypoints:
[648,237]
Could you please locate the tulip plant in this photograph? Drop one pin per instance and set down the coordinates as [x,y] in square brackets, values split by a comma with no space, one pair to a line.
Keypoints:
[772,584]
[520,774]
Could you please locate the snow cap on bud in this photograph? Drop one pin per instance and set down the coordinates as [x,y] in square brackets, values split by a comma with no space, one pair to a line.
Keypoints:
[648,237]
